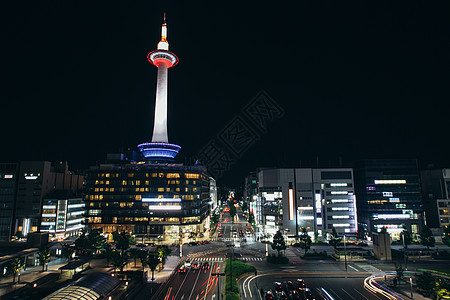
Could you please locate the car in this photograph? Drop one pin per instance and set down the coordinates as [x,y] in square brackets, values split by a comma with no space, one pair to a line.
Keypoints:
[195,266]
[205,266]
[281,295]
[141,245]
[219,235]
[301,284]
[237,245]
[187,264]
[204,242]
[192,243]
[307,295]
[289,286]
[277,287]
[361,244]
[296,245]
[268,295]
[182,269]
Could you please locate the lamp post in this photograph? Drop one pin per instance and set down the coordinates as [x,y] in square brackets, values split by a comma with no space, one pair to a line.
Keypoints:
[181,242]
[410,281]
[404,250]
[345,254]
[218,282]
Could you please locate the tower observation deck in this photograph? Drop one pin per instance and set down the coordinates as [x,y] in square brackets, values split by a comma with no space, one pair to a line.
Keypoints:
[159,149]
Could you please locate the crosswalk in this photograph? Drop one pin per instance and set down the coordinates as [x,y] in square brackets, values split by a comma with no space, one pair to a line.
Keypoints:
[221,259]
[368,268]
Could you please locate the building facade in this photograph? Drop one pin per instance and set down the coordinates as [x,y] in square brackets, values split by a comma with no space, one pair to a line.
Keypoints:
[22,189]
[316,199]
[155,202]
[62,215]
[389,195]
[8,189]
[436,197]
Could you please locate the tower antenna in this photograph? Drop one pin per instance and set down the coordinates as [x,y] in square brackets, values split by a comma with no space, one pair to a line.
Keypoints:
[164,17]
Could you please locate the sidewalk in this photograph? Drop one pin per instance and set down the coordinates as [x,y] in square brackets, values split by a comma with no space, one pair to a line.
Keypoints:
[29,275]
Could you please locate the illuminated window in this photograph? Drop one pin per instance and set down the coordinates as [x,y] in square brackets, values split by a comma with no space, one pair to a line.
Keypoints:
[394,181]
[178,189]
[161,175]
[191,176]
[147,182]
[107,175]
[160,189]
[138,182]
[91,204]
[173,175]
[96,182]
[111,189]
[138,197]
[124,182]
[168,189]
[101,190]
[130,175]
[100,197]
[96,189]
[107,182]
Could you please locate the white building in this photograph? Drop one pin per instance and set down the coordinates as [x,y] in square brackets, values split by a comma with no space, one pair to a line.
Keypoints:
[318,199]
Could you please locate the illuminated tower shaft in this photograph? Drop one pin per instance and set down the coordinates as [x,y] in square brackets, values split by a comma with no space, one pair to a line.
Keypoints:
[163,59]
[160,124]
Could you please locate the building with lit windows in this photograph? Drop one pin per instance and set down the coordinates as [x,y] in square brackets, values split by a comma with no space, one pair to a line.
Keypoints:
[389,195]
[316,199]
[156,202]
[62,215]
[153,197]
[22,188]
[436,197]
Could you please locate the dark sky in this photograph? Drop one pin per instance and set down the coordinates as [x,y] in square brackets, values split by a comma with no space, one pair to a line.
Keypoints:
[355,80]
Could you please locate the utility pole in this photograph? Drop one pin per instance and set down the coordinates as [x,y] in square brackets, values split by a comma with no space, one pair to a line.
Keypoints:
[218,282]
[345,254]
[404,250]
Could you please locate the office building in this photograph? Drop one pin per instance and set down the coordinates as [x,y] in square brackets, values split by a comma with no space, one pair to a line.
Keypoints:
[316,199]
[22,188]
[389,195]
[62,215]
[436,197]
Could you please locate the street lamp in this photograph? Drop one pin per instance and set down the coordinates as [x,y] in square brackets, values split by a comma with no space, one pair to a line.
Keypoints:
[404,250]
[345,254]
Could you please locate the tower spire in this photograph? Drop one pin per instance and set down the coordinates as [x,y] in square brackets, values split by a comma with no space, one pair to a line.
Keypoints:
[163,44]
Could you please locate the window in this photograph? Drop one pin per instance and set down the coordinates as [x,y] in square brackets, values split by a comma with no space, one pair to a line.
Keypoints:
[173,175]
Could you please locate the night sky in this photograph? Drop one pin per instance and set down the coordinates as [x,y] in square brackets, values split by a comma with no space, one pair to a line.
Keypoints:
[355,80]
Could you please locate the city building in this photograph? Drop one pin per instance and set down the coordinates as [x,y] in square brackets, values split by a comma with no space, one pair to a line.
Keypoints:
[389,195]
[251,191]
[8,188]
[62,214]
[153,197]
[22,189]
[436,197]
[316,199]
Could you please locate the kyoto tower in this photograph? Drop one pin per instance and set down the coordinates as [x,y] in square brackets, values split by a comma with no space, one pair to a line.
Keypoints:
[160,149]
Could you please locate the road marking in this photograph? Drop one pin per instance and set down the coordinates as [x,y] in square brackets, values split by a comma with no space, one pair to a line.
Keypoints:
[335,293]
[186,276]
[193,287]
[348,294]
[361,294]
[350,266]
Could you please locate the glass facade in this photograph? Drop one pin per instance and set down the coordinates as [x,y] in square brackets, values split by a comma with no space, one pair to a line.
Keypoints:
[389,195]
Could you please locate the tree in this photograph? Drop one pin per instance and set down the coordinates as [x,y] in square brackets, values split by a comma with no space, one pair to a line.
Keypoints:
[152,261]
[278,242]
[82,242]
[135,253]
[232,211]
[335,240]
[405,237]
[446,238]
[426,237]
[163,251]
[96,241]
[244,206]
[44,257]
[399,270]
[118,260]
[108,253]
[15,266]
[426,284]
[122,240]
[67,252]
[305,240]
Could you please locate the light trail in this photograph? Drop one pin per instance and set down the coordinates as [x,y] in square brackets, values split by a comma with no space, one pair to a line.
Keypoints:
[371,285]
